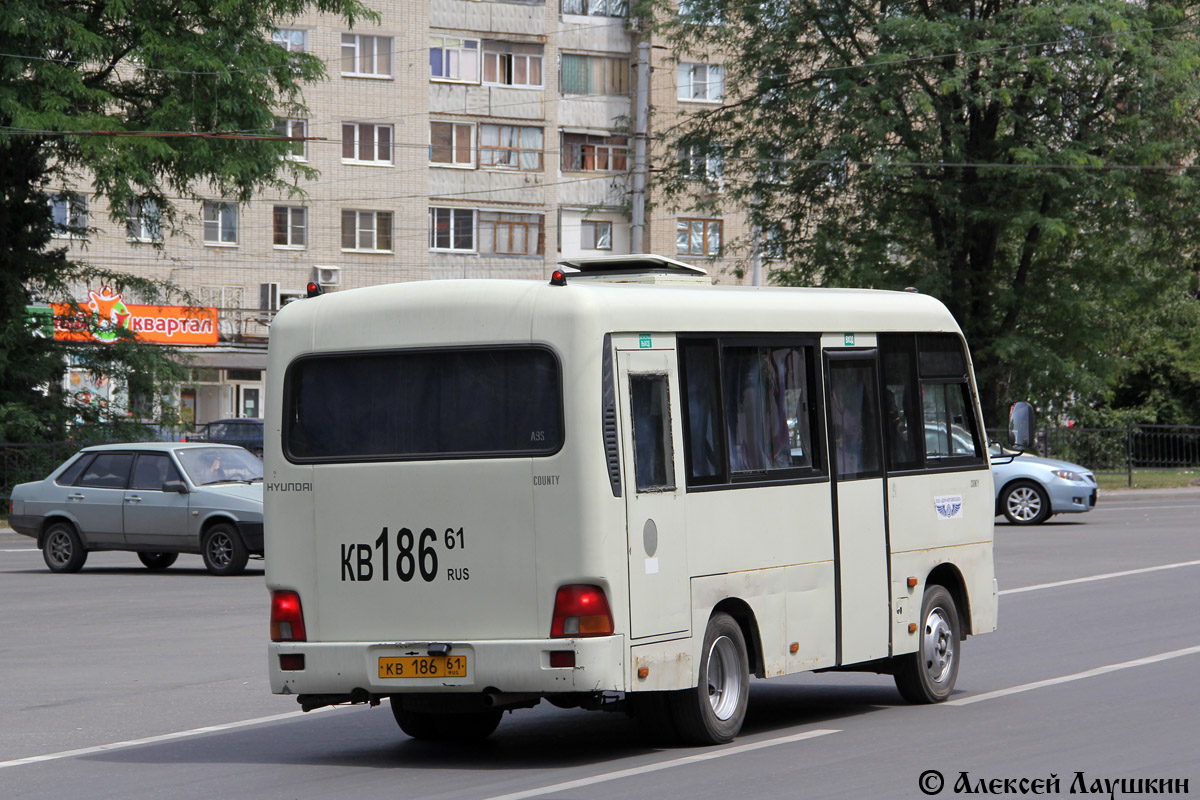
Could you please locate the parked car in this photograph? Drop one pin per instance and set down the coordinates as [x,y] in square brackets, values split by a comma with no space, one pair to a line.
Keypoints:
[1031,489]
[158,499]
[245,432]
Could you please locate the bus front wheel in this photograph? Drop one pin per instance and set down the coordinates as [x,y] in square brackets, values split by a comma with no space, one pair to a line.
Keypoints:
[714,711]
[928,675]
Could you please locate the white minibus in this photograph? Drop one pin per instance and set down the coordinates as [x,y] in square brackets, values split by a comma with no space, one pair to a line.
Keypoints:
[625,488]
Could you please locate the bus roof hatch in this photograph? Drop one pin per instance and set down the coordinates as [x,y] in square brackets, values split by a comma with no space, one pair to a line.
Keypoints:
[636,268]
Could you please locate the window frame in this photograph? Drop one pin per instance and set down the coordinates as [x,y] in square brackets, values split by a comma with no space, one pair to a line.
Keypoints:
[538,226]
[454,144]
[683,224]
[74,213]
[287,126]
[612,8]
[519,150]
[359,230]
[603,148]
[491,47]
[595,224]
[454,214]
[215,216]
[617,74]
[447,61]
[285,42]
[356,48]
[143,221]
[376,144]
[691,84]
[725,477]
[290,227]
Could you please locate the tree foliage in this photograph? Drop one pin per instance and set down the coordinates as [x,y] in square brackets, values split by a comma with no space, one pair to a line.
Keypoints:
[1031,163]
[149,100]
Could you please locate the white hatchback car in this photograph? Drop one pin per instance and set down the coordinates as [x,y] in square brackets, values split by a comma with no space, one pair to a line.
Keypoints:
[1031,489]
[158,499]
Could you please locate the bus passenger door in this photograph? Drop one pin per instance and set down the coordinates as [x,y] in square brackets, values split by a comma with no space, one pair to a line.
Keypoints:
[659,594]
[860,536]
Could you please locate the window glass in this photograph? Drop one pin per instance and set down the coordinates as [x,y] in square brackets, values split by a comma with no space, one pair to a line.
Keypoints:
[71,473]
[706,459]
[947,421]
[427,404]
[108,471]
[653,452]
[901,405]
[767,413]
[152,471]
[941,356]
[854,416]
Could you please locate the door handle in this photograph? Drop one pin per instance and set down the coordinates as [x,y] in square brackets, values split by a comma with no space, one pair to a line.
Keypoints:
[133,498]
[76,496]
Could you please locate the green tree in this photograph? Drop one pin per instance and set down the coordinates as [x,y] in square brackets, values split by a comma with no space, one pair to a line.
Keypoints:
[148,100]
[1028,162]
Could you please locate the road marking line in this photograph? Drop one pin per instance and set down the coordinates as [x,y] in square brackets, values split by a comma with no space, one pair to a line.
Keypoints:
[661,765]
[1078,676]
[1103,577]
[166,737]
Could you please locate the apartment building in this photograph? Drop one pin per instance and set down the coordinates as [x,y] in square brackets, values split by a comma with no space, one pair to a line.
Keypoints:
[454,139]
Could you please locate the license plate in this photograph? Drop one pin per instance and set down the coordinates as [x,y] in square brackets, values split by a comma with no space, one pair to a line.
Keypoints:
[423,667]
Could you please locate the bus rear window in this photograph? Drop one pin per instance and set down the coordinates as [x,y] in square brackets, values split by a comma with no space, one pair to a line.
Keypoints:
[428,404]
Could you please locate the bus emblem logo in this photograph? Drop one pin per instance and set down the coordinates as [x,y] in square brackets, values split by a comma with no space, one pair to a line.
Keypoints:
[949,507]
[644,341]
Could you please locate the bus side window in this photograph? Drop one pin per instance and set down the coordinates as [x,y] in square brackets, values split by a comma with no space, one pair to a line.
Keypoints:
[654,455]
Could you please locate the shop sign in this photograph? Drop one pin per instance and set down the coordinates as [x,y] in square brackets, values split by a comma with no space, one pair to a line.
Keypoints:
[104,313]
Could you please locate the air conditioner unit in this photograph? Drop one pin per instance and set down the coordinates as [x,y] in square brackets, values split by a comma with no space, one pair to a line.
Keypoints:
[268,296]
[328,276]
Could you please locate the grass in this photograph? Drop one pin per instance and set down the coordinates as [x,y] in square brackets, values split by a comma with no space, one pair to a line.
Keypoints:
[1151,479]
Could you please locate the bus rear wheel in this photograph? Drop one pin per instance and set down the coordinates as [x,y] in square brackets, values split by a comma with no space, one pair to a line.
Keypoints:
[468,727]
[714,711]
[928,675]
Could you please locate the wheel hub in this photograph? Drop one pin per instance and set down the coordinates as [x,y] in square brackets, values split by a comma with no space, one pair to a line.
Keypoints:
[724,682]
[937,645]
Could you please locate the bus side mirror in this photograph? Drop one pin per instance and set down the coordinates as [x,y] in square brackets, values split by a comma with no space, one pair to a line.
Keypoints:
[1020,425]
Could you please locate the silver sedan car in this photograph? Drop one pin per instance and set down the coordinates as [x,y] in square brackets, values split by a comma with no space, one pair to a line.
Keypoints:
[158,499]
[1031,489]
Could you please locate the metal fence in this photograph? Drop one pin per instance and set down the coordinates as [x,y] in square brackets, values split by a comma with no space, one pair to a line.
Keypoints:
[1121,451]
[32,462]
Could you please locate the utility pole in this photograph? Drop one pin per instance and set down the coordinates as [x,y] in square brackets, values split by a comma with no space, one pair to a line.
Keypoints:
[641,126]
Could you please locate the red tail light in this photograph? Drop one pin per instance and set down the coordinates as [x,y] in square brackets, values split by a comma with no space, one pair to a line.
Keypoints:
[581,610]
[287,618]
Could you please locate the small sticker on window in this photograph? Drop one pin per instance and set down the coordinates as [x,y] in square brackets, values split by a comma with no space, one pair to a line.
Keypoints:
[849,339]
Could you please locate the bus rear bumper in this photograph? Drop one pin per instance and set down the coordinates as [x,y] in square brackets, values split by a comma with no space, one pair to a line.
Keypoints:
[508,666]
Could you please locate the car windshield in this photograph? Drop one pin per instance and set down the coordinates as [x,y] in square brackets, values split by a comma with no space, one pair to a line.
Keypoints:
[207,465]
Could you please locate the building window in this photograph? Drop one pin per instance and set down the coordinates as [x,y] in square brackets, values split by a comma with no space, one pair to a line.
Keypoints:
[510,147]
[291,39]
[508,64]
[366,142]
[450,144]
[584,153]
[452,229]
[701,82]
[367,55]
[294,128]
[144,221]
[594,75]
[595,235]
[454,59]
[596,8]
[699,12]
[370,231]
[698,237]
[220,223]
[511,234]
[290,226]
[700,165]
[69,213]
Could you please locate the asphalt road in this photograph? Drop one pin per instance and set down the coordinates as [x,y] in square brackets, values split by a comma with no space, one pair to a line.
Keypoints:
[121,683]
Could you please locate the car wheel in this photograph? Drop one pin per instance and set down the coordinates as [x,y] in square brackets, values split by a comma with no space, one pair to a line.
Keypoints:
[467,727]
[928,675]
[1025,503]
[713,712]
[62,549]
[223,550]
[157,560]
